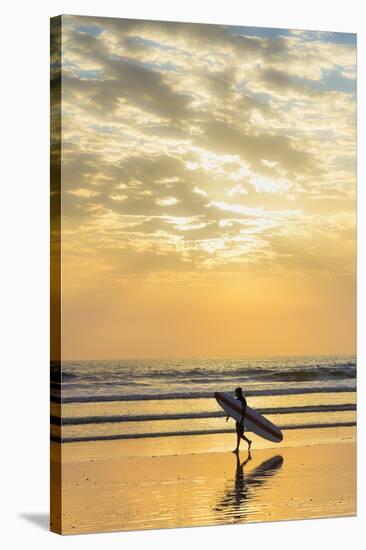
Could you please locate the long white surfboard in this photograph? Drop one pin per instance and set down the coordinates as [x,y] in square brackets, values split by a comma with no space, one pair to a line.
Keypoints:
[253,421]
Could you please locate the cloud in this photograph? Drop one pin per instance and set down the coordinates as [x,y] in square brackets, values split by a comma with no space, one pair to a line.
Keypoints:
[254,147]
[198,147]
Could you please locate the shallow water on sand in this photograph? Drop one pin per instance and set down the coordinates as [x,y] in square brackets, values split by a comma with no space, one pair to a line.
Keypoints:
[207,489]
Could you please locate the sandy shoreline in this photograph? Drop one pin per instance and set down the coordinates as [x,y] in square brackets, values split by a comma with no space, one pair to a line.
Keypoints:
[115,486]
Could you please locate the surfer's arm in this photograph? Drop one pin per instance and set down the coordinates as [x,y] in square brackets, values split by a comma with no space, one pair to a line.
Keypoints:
[244,401]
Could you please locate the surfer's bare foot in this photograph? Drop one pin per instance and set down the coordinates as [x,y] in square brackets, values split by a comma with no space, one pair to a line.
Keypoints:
[249,445]
[235,451]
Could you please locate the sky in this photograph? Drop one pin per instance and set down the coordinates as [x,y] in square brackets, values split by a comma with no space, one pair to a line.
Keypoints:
[208,190]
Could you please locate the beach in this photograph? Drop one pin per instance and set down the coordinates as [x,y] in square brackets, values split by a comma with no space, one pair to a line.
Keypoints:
[195,481]
[145,445]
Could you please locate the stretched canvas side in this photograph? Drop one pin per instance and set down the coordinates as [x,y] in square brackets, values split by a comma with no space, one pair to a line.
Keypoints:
[55,275]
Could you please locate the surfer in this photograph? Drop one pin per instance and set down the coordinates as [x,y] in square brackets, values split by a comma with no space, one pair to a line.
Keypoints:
[240,425]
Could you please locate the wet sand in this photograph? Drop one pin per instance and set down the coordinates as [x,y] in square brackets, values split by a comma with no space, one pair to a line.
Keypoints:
[191,481]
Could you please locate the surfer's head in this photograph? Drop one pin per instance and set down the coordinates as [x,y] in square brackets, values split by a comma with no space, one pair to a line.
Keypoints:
[238,392]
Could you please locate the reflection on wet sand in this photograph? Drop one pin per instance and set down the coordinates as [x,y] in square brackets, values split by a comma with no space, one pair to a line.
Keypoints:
[233,506]
[103,490]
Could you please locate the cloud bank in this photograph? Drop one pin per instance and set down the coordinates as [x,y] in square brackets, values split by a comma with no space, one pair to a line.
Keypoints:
[193,150]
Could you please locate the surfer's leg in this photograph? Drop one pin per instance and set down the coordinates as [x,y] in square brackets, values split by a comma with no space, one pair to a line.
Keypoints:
[238,435]
[247,440]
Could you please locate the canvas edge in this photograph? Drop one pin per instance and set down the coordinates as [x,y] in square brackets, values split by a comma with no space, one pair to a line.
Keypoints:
[55,264]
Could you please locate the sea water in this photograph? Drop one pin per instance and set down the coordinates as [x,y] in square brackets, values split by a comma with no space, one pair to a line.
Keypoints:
[127,399]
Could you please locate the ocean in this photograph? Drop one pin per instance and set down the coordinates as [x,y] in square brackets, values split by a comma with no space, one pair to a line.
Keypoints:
[133,399]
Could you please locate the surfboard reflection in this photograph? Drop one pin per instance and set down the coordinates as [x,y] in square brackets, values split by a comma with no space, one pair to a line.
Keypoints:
[234,505]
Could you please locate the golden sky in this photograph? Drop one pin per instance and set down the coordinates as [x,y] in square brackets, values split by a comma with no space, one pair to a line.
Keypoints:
[208,190]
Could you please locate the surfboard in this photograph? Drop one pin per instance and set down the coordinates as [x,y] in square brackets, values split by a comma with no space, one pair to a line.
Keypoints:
[253,421]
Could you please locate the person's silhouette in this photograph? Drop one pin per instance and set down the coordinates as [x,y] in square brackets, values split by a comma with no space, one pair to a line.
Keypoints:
[240,425]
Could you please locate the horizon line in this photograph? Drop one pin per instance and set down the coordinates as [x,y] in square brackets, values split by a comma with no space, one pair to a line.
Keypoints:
[190,358]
